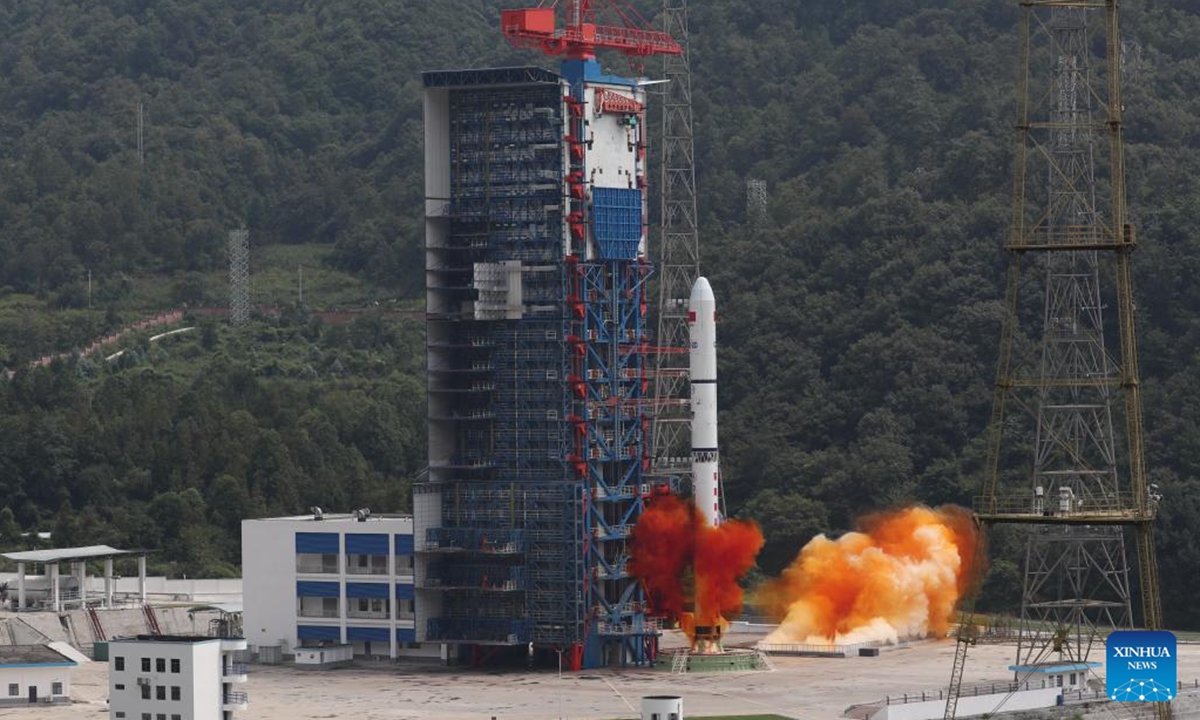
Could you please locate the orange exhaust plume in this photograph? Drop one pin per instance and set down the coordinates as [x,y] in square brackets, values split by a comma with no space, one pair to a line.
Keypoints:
[899,577]
[724,554]
[670,539]
[662,549]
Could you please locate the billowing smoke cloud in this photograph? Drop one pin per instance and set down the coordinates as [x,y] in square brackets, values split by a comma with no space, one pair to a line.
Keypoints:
[662,551]
[899,577]
[670,541]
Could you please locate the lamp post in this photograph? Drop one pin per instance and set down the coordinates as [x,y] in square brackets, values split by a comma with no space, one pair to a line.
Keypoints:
[558,693]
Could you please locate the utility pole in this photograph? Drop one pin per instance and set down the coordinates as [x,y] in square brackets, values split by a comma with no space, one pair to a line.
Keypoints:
[239,277]
[141,144]
[756,204]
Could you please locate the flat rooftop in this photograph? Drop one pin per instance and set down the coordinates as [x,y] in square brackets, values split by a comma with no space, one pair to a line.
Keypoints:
[335,518]
[54,555]
[169,639]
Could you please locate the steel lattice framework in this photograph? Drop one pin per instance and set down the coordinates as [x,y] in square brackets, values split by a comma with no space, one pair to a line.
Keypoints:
[1075,577]
[679,257]
[756,204]
[239,276]
[1060,395]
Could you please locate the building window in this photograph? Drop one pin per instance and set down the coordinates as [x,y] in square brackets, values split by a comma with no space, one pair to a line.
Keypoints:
[145,664]
[160,692]
[119,663]
[56,688]
[316,563]
[174,692]
[175,716]
[1072,678]
[366,564]
[14,689]
[160,665]
[145,716]
[145,692]
[161,716]
[120,714]
[371,608]
[175,665]
[119,686]
[317,607]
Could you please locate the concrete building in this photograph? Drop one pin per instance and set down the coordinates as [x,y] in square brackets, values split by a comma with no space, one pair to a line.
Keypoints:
[331,579]
[175,677]
[34,674]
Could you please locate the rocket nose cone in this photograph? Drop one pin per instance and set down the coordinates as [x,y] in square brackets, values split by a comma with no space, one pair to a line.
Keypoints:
[701,291]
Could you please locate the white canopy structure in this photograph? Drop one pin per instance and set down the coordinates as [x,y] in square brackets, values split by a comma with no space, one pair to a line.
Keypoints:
[78,557]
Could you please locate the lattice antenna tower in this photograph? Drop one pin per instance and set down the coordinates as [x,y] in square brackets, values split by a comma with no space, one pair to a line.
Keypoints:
[239,276]
[1076,577]
[1069,256]
[141,133]
[756,203]
[679,256]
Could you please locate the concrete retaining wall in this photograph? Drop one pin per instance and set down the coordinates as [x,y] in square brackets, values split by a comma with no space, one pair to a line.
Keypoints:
[47,624]
[973,705]
[203,589]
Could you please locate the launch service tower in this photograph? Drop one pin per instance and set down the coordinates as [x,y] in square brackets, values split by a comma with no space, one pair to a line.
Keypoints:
[536,270]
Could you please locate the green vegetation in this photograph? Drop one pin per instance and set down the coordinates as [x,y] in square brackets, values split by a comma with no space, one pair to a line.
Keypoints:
[859,328]
[173,443]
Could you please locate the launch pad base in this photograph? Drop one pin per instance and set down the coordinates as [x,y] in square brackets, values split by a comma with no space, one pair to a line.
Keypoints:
[809,650]
[732,660]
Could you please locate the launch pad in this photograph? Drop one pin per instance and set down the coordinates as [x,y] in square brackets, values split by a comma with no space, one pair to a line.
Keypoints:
[732,660]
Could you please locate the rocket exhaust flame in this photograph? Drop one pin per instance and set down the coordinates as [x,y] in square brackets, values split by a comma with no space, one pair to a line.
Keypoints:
[898,577]
[670,539]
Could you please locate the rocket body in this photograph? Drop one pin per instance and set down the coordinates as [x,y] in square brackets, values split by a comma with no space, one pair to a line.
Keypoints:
[702,333]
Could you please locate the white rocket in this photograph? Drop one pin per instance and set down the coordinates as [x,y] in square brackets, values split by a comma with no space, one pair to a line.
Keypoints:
[702,332]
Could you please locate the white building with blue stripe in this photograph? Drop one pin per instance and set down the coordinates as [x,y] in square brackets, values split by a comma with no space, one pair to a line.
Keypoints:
[331,579]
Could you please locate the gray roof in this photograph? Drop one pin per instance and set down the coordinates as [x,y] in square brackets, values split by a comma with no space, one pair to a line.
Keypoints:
[190,639]
[91,552]
[31,655]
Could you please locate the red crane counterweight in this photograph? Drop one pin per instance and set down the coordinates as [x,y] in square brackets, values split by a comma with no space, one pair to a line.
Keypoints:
[579,39]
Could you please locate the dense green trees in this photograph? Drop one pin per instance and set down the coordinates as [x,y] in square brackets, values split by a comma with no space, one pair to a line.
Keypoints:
[172,450]
[859,327]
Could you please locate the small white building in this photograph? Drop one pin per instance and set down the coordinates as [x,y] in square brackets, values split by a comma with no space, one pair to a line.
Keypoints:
[32,674]
[175,677]
[331,579]
[1067,676]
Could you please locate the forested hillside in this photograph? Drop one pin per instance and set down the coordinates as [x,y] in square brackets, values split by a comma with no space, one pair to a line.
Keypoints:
[859,325]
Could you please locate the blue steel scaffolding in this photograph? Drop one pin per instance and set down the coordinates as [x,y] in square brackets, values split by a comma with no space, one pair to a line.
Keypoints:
[537,403]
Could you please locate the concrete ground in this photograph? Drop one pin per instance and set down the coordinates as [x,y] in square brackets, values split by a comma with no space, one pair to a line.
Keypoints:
[807,688]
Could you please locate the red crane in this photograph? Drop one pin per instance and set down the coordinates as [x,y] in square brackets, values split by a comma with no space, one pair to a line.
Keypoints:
[582,35]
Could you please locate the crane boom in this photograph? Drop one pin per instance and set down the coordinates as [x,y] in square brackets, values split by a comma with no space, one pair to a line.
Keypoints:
[581,36]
